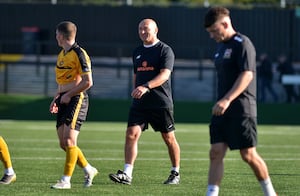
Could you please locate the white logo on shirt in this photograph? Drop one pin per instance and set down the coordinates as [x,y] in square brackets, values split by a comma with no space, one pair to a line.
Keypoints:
[227,53]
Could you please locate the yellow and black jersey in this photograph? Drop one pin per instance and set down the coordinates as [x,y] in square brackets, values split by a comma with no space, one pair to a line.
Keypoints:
[72,63]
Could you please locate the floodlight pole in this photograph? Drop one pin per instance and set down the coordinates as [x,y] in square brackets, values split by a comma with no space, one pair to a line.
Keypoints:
[282,3]
[206,3]
[128,2]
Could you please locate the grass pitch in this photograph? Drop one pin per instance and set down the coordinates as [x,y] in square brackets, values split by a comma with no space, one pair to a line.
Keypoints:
[38,160]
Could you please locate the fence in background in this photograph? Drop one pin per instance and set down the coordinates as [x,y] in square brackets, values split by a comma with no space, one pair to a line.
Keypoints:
[191,80]
[101,28]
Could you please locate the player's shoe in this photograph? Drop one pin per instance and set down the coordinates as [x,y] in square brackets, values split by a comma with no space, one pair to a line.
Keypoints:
[61,184]
[88,178]
[7,179]
[120,177]
[173,178]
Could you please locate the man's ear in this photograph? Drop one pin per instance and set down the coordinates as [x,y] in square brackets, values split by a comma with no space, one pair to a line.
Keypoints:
[225,24]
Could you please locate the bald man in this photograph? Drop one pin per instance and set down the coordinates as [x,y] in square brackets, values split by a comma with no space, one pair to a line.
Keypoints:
[152,102]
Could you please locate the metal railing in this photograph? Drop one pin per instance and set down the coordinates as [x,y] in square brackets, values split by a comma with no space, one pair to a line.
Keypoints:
[191,80]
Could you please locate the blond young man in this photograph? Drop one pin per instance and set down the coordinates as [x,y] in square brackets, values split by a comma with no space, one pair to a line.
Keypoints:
[74,78]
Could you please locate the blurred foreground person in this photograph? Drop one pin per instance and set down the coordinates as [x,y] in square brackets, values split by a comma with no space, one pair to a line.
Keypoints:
[233,123]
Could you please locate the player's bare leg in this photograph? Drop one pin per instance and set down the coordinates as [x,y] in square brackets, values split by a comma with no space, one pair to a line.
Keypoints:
[216,168]
[174,154]
[133,134]
[260,169]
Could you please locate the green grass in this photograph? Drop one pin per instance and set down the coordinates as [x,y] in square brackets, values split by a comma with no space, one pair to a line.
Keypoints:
[38,160]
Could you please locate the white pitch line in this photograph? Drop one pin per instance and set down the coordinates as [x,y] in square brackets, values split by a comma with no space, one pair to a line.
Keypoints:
[81,142]
[113,151]
[148,159]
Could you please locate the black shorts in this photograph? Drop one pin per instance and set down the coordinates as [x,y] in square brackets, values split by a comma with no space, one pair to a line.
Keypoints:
[236,132]
[74,113]
[160,119]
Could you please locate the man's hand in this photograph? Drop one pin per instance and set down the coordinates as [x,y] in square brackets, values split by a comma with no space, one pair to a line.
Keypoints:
[65,99]
[53,107]
[220,107]
[139,91]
